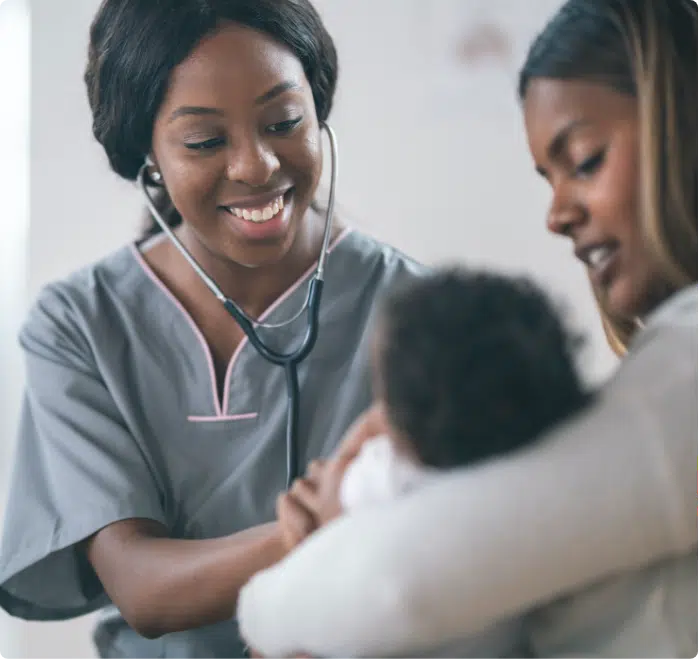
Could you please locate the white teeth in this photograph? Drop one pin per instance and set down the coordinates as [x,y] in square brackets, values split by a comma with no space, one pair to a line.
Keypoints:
[598,256]
[259,215]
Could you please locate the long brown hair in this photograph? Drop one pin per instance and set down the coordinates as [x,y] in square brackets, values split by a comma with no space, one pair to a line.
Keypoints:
[648,49]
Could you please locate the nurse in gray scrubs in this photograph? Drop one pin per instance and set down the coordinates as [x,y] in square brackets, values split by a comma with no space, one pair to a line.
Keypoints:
[152,440]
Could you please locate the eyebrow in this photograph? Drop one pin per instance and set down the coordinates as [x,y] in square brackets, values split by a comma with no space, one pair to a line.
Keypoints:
[287,85]
[195,110]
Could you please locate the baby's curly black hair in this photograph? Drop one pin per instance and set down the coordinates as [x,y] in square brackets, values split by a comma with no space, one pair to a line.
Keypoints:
[473,364]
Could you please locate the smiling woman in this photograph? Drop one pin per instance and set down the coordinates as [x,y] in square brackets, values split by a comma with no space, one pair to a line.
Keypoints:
[151,443]
[612,127]
[272,153]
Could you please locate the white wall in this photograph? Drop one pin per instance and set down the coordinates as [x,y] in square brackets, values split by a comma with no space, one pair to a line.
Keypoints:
[14,223]
[433,159]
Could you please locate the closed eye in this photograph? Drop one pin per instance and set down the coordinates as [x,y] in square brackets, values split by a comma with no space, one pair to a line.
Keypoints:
[591,165]
[206,144]
[284,127]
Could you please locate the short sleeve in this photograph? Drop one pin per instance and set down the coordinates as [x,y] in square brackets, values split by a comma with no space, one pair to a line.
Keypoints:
[77,469]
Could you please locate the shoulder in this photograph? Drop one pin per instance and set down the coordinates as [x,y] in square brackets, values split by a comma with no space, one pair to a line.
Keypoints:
[64,311]
[373,260]
[678,314]
[663,355]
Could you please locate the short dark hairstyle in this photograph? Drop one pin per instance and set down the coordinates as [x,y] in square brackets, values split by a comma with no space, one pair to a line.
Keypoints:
[473,364]
[135,45]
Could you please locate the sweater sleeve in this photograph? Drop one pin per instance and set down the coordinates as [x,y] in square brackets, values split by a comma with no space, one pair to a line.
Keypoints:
[613,490]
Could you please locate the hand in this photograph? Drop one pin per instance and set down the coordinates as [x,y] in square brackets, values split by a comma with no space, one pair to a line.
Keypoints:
[296,521]
[319,491]
[314,500]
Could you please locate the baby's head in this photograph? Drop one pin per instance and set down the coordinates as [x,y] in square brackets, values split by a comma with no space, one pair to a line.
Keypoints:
[469,365]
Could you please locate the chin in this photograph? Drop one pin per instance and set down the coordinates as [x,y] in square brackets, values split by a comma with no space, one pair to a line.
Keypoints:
[626,299]
[253,261]
[263,255]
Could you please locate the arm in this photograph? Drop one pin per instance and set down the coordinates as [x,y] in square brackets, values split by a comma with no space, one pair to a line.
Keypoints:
[85,521]
[162,585]
[613,490]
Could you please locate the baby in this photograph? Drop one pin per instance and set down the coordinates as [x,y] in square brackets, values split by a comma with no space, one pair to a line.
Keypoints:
[469,366]
[466,365]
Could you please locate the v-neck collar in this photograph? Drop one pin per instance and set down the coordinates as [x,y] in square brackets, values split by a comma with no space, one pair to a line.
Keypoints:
[294,291]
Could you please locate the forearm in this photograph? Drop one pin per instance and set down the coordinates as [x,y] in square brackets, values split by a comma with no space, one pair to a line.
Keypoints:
[173,585]
[615,490]
[486,543]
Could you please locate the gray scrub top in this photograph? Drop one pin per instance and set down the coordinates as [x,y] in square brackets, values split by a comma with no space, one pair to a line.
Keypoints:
[121,419]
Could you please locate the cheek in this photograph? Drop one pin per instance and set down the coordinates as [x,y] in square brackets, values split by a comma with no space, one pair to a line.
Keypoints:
[304,159]
[613,198]
[192,183]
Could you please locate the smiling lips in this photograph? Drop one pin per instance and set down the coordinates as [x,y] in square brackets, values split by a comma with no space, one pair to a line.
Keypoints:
[600,259]
[258,214]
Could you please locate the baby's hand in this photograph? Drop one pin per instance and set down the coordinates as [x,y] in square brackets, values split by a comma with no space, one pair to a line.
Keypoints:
[319,491]
[295,521]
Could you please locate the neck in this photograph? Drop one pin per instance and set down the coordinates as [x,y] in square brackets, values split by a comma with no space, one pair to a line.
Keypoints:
[255,289]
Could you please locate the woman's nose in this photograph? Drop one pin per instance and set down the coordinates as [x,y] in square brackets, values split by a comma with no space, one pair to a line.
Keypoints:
[565,211]
[252,162]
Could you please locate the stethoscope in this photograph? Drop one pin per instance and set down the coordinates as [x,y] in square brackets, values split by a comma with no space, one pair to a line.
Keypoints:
[289,361]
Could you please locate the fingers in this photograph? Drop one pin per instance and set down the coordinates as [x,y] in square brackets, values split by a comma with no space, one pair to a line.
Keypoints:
[305,492]
[295,520]
[315,470]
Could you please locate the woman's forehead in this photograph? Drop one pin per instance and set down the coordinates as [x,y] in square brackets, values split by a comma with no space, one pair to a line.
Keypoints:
[236,59]
[549,99]
[556,108]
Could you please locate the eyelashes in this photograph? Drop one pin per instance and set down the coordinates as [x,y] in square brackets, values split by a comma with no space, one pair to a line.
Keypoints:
[279,129]
[284,127]
[590,165]
[206,144]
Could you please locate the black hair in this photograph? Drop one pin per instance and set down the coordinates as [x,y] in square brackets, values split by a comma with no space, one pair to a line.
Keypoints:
[473,364]
[581,41]
[135,45]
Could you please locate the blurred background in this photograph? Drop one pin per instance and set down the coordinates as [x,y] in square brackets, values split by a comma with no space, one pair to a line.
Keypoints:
[433,160]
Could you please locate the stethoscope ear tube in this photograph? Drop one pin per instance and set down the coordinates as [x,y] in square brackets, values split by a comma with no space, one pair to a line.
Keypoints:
[289,361]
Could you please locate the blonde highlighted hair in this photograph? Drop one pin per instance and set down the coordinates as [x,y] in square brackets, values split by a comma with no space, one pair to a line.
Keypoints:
[648,49]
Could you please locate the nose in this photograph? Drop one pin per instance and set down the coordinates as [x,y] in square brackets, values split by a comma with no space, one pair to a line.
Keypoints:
[566,211]
[252,162]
